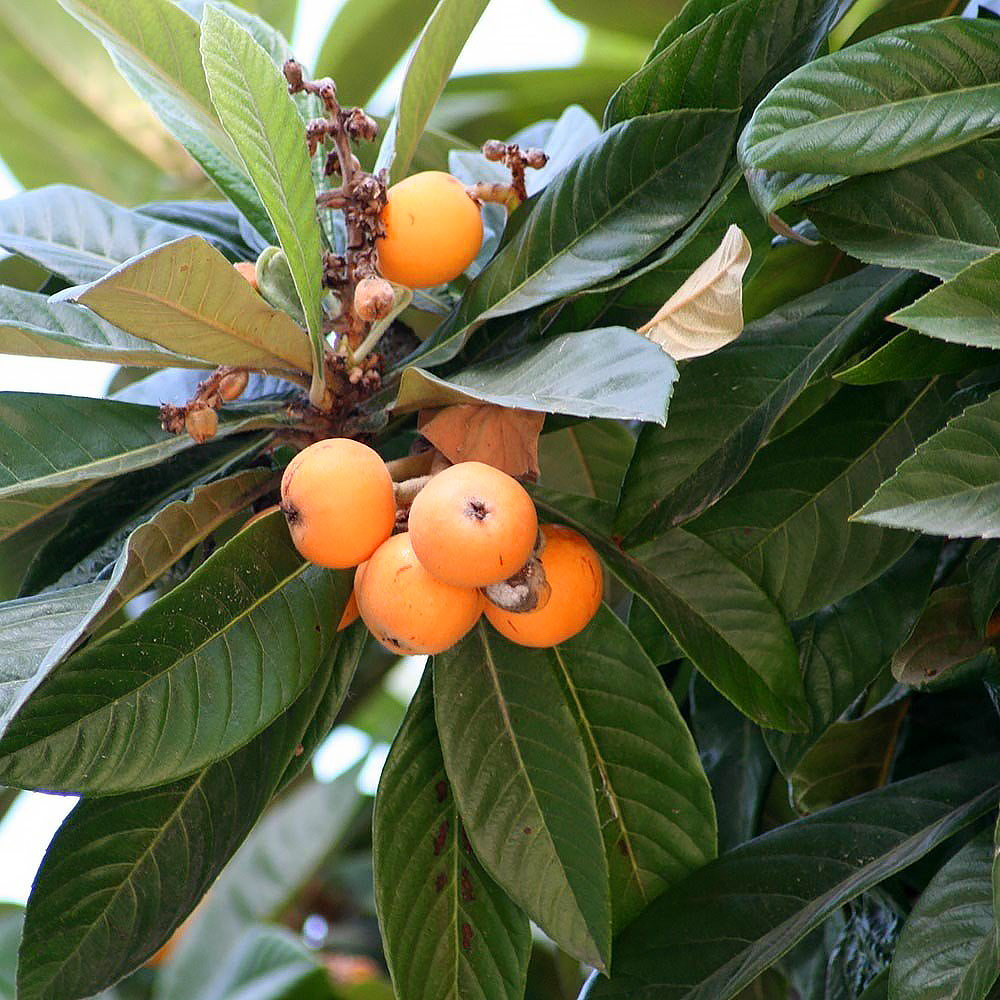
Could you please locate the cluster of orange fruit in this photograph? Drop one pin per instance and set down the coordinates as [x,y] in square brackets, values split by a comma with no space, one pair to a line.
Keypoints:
[470,527]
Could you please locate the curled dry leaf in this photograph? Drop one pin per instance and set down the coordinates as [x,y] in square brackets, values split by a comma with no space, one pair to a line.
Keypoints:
[706,312]
[497,435]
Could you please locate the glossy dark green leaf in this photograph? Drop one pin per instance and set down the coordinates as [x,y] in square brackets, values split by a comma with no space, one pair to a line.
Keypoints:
[843,648]
[853,756]
[962,310]
[589,458]
[939,215]
[900,97]
[710,936]
[984,583]
[28,628]
[519,772]
[950,485]
[943,642]
[712,434]
[158,544]
[193,679]
[34,326]
[449,929]
[283,852]
[188,298]
[347,54]
[252,100]
[612,372]
[101,906]
[728,60]
[722,621]
[440,42]
[49,440]
[948,947]
[154,44]
[909,355]
[787,520]
[653,799]
[735,759]
[219,222]
[604,213]
[75,234]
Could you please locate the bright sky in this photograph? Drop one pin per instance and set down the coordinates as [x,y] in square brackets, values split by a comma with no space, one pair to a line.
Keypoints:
[512,34]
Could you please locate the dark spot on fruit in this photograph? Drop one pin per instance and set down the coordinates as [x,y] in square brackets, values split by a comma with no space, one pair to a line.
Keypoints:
[468,892]
[291,512]
[441,789]
[466,936]
[440,837]
[476,509]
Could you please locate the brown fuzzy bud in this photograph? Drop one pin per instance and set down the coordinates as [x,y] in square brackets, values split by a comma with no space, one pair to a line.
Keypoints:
[201,422]
[373,299]
[360,126]
[293,74]
[535,158]
[494,149]
[232,385]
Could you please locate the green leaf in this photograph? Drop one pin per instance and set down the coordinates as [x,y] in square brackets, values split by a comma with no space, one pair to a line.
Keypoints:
[984,583]
[944,641]
[645,17]
[258,113]
[158,544]
[219,222]
[268,963]
[437,48]
[643,180]
[843,648]
[612,372]
[899,12]
[188,298]
[11,922]
[711,935]
[589,458]
[33,325]
[223,655]
[736,762]
[787,520]
[711,436]
[76,234]
[853,756]
[448,928]
[293,838]
[951,484]
[100,905]
[718,616]
[729,60]
[961,311]
[49,440]
[519,773]
[347,53]
[154,44]
[939,215]
[78,121]
[28,628]
[903,96]
[653,799]
[948,948]
[911,356]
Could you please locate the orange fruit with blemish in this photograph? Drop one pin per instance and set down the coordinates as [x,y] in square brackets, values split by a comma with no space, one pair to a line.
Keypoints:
[573,571]
[433,230]
[337,497]
[473,525]
[406,608]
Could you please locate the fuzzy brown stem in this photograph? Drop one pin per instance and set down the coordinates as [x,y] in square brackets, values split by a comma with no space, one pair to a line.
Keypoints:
[410,466]
[406,491]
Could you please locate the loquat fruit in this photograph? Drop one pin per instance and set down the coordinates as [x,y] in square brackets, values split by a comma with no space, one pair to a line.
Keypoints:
[337,498]
[406,608]
[373,299]
[351,612]
[433,230]
[473,525]
[573,571]
[249,271]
